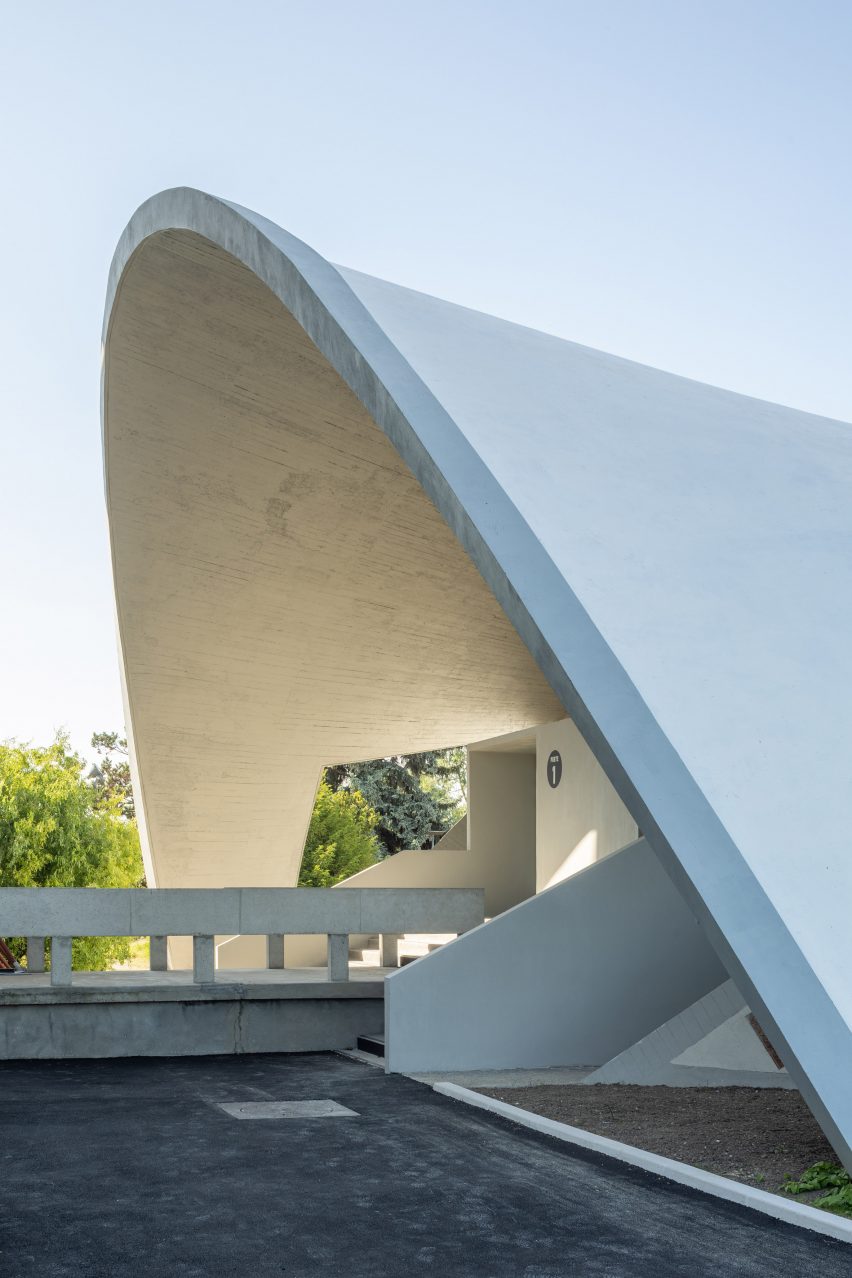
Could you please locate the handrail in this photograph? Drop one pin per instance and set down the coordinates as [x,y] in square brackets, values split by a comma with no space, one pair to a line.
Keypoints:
[203,913]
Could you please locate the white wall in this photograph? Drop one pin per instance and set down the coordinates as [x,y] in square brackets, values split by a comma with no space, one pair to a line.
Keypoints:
[582,820]
[571,977]
[455,838]
[501,825]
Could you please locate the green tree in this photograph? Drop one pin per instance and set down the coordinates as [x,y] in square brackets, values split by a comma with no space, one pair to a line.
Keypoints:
[341,837]
[448,776]
[413,794]
[113,772]
[57,830]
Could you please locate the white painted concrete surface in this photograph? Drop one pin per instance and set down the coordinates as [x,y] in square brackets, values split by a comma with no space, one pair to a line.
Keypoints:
[568,978]
[673,556]
[733,1045]
[709,1044]
[707,534]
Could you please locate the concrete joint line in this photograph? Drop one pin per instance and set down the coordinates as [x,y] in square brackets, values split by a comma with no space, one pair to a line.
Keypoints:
[792,1213]
[239,1048]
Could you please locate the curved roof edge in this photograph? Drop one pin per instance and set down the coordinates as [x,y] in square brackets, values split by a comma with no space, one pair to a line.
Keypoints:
[670,807]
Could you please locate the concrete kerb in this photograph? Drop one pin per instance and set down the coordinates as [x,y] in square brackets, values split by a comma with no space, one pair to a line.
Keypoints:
[792,1213]
[364,1058]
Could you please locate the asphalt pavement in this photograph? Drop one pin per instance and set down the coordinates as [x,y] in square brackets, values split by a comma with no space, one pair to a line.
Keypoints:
[129,1169]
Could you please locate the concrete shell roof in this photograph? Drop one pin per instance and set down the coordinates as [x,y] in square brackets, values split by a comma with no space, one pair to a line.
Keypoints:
[675,557]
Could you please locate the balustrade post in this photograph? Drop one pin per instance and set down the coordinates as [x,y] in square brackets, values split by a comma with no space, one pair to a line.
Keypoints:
[338,956]
[35,953]
[159,953]
[275,951]
[60,960]
[203,960]
[389,949]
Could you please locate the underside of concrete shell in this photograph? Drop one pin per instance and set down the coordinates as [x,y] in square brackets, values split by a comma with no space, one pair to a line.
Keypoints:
[288,596]
[348,519]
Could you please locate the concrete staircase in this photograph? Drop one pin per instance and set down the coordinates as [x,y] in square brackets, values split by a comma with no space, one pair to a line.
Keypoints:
[411,946]
[372,1044]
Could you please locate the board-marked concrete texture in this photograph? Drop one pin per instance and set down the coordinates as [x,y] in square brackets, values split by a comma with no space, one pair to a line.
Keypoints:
[287,594]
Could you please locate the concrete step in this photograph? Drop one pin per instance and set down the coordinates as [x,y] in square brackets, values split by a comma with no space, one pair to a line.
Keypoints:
[367,952]
[372,1044]
[411,946]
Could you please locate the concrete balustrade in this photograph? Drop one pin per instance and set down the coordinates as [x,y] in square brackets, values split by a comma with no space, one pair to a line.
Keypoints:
[204,913]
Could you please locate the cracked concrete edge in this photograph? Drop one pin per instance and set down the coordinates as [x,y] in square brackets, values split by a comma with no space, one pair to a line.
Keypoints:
[789,1211]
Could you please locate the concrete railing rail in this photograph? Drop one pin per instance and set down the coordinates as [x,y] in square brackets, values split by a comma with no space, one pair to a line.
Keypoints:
[204,913]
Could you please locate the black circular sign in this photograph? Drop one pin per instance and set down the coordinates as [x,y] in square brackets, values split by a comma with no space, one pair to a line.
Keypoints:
[554,769]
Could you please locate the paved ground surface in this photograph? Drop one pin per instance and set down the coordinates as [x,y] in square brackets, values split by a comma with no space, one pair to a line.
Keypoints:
[753,1134]
[128,1168]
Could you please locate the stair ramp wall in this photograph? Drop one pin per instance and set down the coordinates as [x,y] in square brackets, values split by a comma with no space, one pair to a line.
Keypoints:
[571,977]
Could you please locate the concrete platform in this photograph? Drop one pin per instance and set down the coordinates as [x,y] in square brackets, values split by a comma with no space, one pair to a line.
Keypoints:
[144,986]
[142,1013]
[124,1168]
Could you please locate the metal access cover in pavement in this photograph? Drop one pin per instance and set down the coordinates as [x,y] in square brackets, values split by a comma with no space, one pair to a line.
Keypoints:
[287,1109]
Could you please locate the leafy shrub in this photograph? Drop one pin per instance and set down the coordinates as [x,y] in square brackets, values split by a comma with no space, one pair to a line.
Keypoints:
[829,1176]
[341,837]
[412,794]
[58,831]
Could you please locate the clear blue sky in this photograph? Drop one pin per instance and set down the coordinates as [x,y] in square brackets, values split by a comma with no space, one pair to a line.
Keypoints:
[669,180]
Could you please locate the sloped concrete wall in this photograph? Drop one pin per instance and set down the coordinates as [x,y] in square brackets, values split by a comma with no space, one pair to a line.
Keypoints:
[571,977]
[455,840]
[709,1044]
